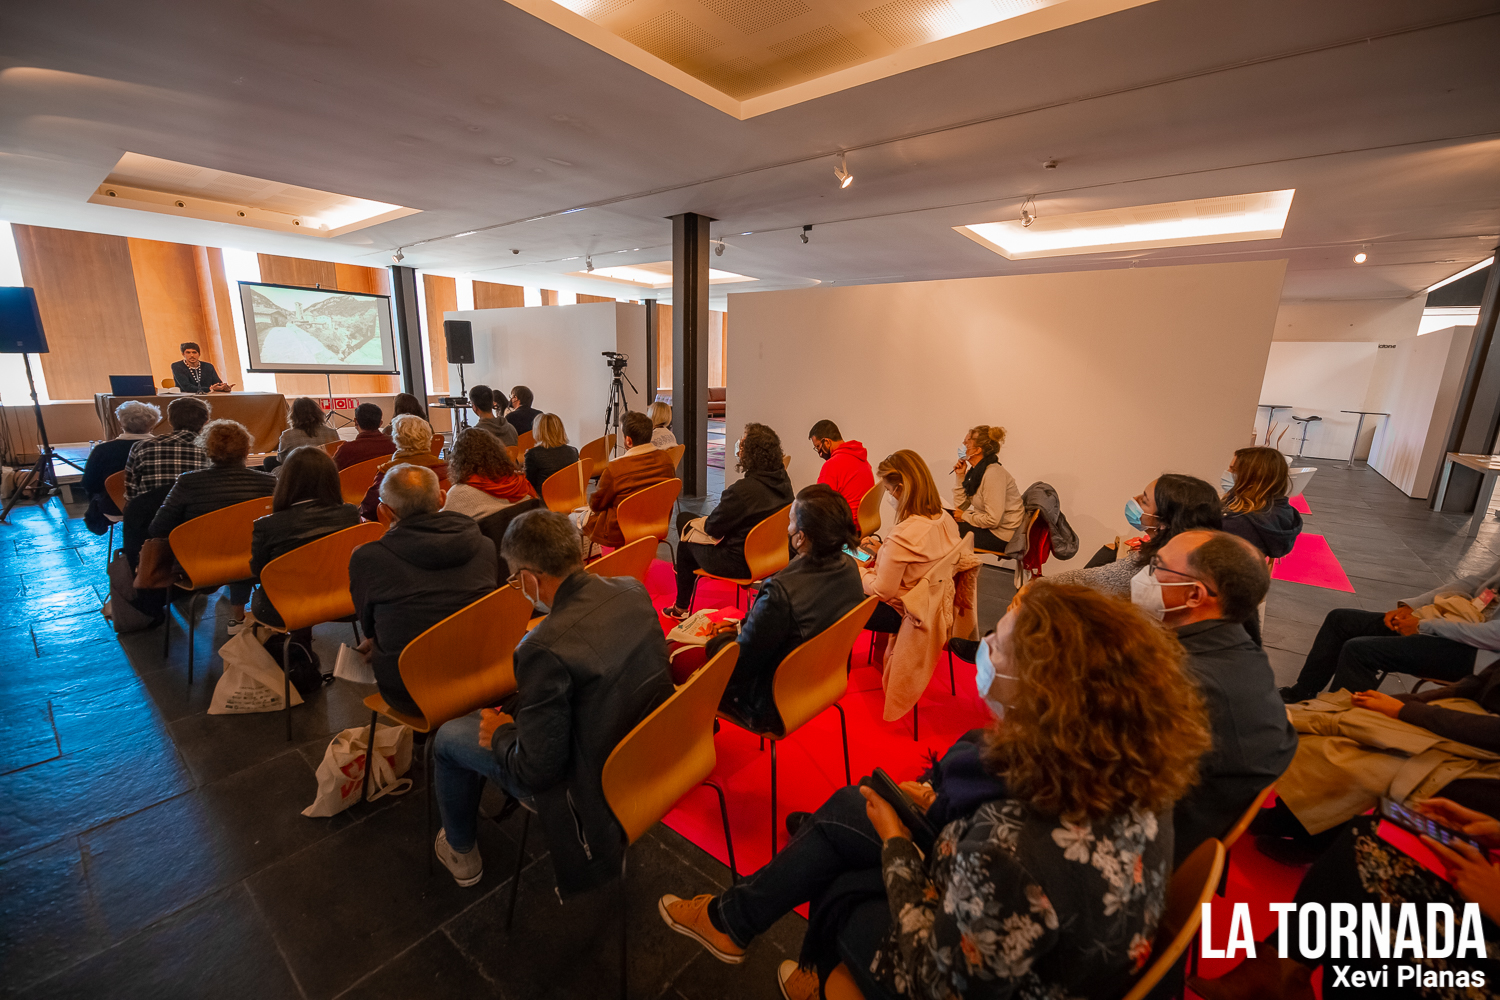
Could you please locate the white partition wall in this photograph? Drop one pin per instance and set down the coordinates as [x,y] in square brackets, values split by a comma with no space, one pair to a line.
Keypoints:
[1103,379]
[1420,395]
[556,352]
[1322,379]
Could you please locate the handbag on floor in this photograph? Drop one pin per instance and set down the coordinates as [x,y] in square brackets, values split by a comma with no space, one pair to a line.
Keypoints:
[123,614]
[341,776]
[157,567]
[252,681]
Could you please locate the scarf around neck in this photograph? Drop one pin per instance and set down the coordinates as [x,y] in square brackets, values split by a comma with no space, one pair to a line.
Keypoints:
[976,475]
[512,487]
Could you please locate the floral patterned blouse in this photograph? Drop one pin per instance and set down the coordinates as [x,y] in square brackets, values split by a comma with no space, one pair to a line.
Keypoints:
[1012,904]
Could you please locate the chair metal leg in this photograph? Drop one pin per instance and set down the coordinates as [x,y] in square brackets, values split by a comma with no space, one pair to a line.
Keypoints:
[364,794]
[844,732]
[952,685]
[773,798]
[762,743]
[109,546]
[431,792]
[192,632]
[515,879]
[734,875]
[914,722]
[286,698]
[355,627]
[624,928]
[166,626]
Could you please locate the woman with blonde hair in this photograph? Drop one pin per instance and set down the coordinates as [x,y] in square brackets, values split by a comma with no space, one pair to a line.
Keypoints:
[413,437]
[926,549]
[485,480]
[661,425]
[1048,872]
[1255,501]
[551,453]
[986,502]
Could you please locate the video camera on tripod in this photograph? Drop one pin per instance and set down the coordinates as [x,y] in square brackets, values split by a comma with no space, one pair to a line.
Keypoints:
[618,405]
[616,362]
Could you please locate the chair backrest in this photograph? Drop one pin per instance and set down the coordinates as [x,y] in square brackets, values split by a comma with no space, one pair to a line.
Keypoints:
[1191,885]
[633,559]
[767,550]
[467,660]
[1243,823]
[493,526]
[355,481]
[675,453]
[310,584]
[517,455]
[115,487]
[670,752]
[595,455]
[563,490]
[169,383]
[868,514]
[814,675]
[647,513]
[437,445]
[526,441]
[332,447]
[214,548]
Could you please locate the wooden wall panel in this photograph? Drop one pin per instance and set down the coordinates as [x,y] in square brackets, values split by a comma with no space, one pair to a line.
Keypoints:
[85,290]
[549,297]
[441,294]
[358,278]
[296,271]
[218,321]
[166,288]
[594,298]
[488,295]
[308,274]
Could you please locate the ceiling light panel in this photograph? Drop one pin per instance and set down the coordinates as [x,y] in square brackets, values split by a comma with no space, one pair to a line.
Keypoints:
[656,275]
[1231,219]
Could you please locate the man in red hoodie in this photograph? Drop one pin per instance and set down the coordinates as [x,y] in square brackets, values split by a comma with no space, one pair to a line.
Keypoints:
[846,464]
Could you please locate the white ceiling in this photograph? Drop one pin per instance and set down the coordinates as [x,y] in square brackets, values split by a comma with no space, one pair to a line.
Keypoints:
[1383,114]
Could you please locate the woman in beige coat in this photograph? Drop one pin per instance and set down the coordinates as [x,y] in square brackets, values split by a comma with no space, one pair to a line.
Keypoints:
[925,575]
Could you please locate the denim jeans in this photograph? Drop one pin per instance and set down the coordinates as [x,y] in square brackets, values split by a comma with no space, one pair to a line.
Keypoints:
[460,767]
[1354,647]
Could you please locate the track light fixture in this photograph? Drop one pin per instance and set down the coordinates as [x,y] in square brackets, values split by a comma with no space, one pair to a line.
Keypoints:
[718,247]
[805,231]
[588,263]
[398,256]
[842,172]
[1361,257]
[1028,211]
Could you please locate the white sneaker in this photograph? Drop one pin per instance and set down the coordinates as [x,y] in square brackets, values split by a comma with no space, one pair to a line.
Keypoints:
[466,868]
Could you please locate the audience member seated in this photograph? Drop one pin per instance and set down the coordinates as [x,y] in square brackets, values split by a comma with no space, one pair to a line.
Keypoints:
[846,464]
[924,548]
[1365,870]
[482,400]
[661,425]
[1168,505]
[404,403]
[585,676]
[305,425]
[1440,634]
[224,483]
[158,461]
[817,588]
[109,457]
[429,564]
[1204,585]
[523,417]
[987,503]
[370,442]
[552,453]
[764,489]
[1050,869]
[1255,501]
[642,465]
[307,505]
[484,478]
[413,437]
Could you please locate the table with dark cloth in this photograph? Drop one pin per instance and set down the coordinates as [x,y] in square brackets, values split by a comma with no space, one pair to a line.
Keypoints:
[262,413]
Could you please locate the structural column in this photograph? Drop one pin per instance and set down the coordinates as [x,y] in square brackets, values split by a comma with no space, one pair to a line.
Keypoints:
[1476,418]
[409,352]
[690,347]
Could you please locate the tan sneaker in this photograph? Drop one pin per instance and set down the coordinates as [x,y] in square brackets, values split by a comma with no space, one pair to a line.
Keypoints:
[689,917]
[796,982]
[467,868]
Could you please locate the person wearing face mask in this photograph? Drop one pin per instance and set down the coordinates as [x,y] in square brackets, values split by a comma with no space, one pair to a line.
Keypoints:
[986,502]
[1169,504]
[429,564]
[585,677]
[1204,585]
[1013,899]
[846,464]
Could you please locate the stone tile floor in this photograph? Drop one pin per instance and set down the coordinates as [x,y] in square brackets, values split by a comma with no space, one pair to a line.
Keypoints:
[149,850]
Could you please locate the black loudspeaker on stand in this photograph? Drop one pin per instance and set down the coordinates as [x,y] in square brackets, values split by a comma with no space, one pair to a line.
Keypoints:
[460,336]
[21,333]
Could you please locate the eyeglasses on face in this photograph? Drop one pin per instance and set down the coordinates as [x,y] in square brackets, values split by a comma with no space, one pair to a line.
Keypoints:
[1157,566]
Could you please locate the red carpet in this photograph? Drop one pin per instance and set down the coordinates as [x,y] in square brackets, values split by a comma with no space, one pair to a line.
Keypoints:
[1312,562]
[1299,502]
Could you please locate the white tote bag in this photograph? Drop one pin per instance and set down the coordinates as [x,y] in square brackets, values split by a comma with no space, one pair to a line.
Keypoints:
[252,680]
[341,776]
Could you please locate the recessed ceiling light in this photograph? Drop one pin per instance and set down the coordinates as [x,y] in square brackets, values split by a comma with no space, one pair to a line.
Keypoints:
[560,163]
[1230,219]
[1462,274]
[1361,257]
[502,161]
[471,232]
[659,275]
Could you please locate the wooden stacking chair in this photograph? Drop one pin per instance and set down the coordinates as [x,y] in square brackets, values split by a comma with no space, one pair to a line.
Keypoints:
[355,481]
[212,551]
[114,486]
[675,453]
[332,447]
[813,677]
[463,663]
[647,513]
[595,455]
[767,551]
[868,514]
[632,559]
[437,444]
[563,491]
[526,441]
[309,586]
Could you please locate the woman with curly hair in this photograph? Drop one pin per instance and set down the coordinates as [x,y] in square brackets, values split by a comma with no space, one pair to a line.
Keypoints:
[1049,871]
[763,491]
[484,478]
[1255,501]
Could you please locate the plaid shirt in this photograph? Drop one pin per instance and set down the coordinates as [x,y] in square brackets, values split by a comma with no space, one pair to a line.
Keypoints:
[159,461]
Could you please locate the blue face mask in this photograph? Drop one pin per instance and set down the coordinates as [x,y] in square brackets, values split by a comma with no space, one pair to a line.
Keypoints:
[984,670]
[1133,514]
[1226,482]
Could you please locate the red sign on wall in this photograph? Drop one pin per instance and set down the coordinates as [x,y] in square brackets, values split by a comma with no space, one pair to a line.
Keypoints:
[338,404]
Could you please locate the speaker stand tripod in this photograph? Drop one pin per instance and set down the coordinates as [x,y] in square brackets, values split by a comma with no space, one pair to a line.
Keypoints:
[42,473]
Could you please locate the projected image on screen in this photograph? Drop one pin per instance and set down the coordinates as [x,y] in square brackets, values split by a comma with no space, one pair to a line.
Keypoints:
[304,329]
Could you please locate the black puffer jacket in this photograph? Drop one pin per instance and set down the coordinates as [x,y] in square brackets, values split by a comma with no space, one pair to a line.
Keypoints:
[204,491]
[747,503]
[277,534]
[1273,529]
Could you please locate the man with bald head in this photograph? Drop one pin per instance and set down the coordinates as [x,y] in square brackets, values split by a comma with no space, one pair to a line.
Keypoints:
[429,564]
[1204,585]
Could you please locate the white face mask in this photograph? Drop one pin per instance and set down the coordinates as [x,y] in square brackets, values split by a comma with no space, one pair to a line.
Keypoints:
[1146,594]
[535,599]
[1226,482]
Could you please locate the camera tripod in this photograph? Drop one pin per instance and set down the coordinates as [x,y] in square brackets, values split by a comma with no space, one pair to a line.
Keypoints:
[42,476]
[619,405]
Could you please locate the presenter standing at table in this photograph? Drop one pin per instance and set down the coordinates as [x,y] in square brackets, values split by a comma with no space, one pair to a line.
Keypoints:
[196,376]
